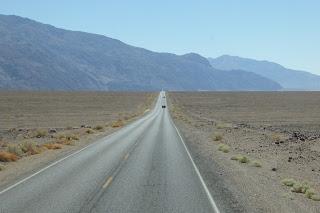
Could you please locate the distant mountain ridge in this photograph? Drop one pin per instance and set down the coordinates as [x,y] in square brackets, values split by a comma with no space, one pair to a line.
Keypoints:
[35,56]
[289,79]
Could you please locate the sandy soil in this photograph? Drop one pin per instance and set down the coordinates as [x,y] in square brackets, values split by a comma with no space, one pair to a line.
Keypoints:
[279,130]
[84,116]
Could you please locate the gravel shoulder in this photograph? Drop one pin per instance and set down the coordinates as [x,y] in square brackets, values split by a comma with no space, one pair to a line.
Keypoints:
[270,129]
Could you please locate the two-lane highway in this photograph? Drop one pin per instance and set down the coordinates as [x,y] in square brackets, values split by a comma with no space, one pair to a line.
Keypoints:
[144,167]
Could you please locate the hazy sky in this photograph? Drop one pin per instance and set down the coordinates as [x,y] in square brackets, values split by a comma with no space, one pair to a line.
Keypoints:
[283,31]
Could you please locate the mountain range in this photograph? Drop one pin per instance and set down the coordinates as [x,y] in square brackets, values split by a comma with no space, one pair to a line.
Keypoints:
[289,79]
[36,56]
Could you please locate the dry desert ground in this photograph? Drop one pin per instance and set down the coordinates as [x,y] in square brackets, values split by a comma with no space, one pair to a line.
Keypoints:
[265,146]
[39,127]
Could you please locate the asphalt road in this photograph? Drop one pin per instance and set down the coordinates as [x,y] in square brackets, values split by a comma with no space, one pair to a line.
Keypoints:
[144,167]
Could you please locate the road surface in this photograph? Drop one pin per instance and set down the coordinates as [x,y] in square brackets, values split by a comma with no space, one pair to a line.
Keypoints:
[143,167]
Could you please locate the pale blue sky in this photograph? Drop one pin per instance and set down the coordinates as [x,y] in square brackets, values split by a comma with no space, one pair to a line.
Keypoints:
[283,31]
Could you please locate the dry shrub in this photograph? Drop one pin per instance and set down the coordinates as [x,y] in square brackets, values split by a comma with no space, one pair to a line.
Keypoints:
[217,136]
[40,133]
[60,136]
[72,137]
[30,148]
[98,127]
[127,117]
[89,131]
[118,123]
[53,146]
[276,137]
[8,157]
[15,149]
[256,163]
[66,142]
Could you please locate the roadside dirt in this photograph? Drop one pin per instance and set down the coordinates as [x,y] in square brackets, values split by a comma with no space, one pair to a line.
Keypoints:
[277,131]
[32,123]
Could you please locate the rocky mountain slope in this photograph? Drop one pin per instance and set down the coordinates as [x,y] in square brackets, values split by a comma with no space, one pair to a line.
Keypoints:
[36,56]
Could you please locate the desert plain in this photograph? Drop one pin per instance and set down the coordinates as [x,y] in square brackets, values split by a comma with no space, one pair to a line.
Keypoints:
[264,146]
[37,128]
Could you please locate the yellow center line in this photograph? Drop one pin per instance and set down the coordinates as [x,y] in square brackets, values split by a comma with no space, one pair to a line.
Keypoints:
[126,156]
[107,182]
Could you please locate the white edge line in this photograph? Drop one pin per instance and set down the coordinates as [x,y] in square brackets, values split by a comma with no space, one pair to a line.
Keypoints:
[213,204]
[68,156]
[51,165]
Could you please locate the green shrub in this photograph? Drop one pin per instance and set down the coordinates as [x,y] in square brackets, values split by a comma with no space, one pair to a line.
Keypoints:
[223,148]
[30,148]
[309,193]
[235,158]
[40,133]
[243,159]
[288,181]
[256,163]
[98,127]
[89,131]
[15,149]
[217,136]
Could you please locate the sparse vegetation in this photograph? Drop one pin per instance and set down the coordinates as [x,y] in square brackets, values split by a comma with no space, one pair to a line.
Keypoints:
[66,141]
[8,156]
[288,181]
[72,137]
[309,193]
[217,136]
[223,148]
[89,131]
[235,158]
[53,146]
[30,148]
[40,133]
[98,127]
[303,188]
[244,159]
[256,163]
[15,149]
[118,123]
[277,138]
[300,187]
